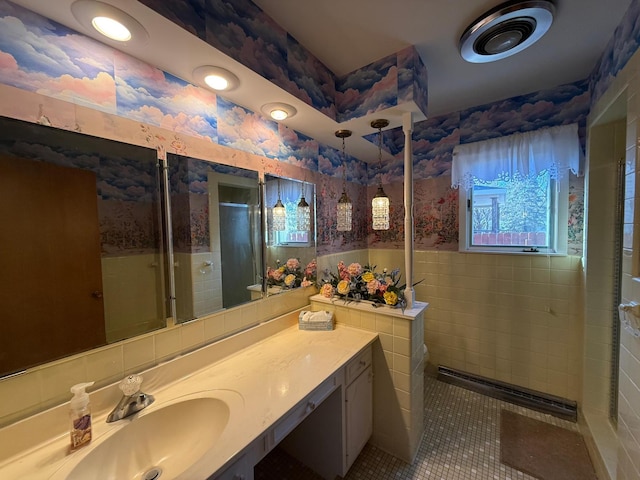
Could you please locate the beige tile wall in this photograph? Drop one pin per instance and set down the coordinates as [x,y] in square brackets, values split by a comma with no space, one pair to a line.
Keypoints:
[606,149]
[629,373]
[627,434]
[398,365]
[42,387]
[514,318]
[130,286]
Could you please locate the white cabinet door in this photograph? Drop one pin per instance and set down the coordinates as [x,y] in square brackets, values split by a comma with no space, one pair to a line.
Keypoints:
[240,470]
[359,414]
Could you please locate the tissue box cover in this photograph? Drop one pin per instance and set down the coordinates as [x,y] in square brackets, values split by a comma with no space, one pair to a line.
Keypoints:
[322,320]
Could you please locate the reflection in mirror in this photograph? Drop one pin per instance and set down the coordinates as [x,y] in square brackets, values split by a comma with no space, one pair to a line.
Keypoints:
[80,248]
[291,244]
[216,235]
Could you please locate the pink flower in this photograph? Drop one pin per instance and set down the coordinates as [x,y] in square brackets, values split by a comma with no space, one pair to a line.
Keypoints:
[293,264]
[343,272]
[310,270]
[373,286]
[305,282]
[327,290]
[355,269]
[277,274]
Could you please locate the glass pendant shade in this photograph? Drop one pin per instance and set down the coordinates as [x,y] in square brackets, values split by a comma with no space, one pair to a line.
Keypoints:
[344,209]
[380,210]
[279,217]
[380,202]
[303,215]
[344,213]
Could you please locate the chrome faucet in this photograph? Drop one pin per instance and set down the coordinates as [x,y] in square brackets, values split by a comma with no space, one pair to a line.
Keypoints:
[132,401]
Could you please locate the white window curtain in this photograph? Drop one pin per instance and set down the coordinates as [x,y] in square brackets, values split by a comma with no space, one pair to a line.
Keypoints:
[555,149]
[290,191]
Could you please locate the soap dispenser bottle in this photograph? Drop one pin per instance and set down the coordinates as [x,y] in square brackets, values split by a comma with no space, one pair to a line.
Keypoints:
[80,416]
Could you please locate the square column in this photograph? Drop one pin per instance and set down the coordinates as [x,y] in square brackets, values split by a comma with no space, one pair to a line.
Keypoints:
[398,368]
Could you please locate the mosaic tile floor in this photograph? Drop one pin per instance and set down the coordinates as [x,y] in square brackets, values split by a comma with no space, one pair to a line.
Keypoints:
[461,442]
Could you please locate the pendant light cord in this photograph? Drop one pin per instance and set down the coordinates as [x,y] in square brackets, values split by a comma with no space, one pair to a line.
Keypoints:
[380,156]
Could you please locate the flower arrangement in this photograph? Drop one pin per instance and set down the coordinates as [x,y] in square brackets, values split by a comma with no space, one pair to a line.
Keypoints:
[355,282]
[292,275]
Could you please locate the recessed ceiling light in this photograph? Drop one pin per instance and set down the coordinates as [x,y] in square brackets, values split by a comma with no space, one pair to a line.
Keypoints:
[278,110]
[216,77]
[506,30]
[109,21]
[111,28]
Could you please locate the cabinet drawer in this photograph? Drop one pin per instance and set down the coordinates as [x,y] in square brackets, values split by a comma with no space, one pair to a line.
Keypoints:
[240,470]
[358,365]
[304,408]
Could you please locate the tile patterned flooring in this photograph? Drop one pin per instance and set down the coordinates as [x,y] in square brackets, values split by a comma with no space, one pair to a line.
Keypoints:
[461,442]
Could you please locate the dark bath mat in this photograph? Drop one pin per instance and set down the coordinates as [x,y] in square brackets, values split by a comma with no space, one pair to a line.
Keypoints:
[543,450]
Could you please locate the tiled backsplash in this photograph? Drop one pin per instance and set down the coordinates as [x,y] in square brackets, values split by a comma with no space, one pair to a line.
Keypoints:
[514,318]
[48,385]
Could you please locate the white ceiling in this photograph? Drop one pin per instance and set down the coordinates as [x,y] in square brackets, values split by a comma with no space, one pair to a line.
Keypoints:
[348,34]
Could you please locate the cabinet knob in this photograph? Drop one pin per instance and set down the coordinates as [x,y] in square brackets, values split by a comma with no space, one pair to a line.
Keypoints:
[311,405]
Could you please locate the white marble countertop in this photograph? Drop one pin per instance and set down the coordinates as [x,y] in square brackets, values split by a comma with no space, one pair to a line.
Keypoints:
[272,376]
[370,307]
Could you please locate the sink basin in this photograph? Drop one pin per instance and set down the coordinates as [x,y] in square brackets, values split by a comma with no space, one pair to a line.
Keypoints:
[162,442]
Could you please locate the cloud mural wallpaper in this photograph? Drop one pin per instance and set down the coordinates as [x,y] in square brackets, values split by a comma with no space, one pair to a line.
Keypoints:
[70,81]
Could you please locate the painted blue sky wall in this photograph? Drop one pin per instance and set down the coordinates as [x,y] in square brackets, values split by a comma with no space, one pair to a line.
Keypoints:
[311,81]
[412,79]
[433,142]
[369,89]
[149,95]
[248,131]
[435,138]
[330,163]
[41,56]
[188,14]
[123,172]
[243,31]
[240,29]
[623,44]
[561,105]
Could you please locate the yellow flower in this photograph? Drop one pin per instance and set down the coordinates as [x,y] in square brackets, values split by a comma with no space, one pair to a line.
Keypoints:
[390,298]
[367,277]
[343,287]
[282,269]
[289,279]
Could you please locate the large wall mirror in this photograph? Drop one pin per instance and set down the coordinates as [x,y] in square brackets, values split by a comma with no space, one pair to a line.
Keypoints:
[290,233]
[81,259]
[216,236]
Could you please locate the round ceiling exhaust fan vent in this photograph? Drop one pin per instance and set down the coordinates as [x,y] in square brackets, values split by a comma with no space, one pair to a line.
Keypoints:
[505,30]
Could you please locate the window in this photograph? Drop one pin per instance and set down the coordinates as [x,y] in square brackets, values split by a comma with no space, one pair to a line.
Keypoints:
[291,235]
[514,191]
[289,192]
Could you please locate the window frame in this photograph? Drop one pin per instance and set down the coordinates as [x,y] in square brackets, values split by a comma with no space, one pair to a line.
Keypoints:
[558,232]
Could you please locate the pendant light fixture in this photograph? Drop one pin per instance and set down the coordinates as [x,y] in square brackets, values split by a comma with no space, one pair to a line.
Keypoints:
[303,213]
[344,204]
[279,214]
[380,202]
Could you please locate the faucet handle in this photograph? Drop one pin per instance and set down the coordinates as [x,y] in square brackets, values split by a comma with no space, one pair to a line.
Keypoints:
[130,385]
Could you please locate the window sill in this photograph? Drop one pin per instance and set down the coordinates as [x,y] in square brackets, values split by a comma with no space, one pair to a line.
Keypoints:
[514,252]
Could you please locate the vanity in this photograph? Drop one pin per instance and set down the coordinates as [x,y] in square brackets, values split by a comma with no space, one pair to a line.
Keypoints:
[309,391]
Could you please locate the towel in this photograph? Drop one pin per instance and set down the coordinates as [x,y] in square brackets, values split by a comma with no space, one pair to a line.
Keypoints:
[323,316]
